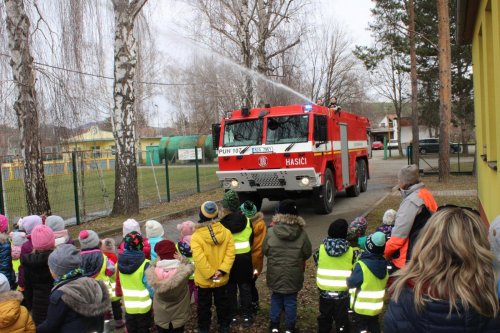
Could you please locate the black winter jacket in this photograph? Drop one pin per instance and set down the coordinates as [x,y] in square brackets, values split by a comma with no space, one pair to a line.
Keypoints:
[403,317]
[242,270]
[76,306]
[6,260]
[38,284]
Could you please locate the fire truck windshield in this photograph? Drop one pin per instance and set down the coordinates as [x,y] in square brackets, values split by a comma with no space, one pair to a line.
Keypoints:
[243,133]
[288,129]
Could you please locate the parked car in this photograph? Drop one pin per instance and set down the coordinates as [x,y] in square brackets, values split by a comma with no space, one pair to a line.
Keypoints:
[393,144]
[432,146]
[377,145]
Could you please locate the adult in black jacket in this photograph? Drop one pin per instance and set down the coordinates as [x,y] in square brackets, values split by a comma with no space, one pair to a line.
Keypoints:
[38,281]
[77,303]
[241,275]
[449,285]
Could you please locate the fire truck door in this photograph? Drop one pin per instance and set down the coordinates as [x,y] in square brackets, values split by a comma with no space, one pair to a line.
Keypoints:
[344,150]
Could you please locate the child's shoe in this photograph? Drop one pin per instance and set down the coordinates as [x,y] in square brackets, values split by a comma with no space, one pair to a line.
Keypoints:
[274,327]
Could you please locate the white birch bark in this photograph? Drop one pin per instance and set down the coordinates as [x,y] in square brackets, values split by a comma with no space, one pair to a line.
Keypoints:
[124,115]
[26,107]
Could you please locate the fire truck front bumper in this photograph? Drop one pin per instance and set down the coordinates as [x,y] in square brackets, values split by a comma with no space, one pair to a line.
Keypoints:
[300,179]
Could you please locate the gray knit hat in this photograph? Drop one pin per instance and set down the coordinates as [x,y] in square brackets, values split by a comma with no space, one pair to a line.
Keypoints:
[88,239]
[54,222]
[409,174]
[64,259]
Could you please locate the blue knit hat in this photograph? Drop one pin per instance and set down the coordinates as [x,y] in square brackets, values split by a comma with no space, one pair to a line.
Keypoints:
[375,243]
[208,211]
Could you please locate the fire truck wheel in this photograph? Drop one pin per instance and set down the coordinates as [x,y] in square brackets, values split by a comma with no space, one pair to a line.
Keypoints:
[363,173]
[253,197]
[355,190]
[325,197]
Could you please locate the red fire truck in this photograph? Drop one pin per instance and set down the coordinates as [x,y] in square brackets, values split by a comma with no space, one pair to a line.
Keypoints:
[293,151]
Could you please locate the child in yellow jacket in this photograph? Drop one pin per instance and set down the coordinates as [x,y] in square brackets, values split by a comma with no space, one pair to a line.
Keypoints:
[213,255]
[15,317]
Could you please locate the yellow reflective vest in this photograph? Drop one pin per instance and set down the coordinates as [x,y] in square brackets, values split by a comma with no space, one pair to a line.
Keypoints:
[333,272]
[242,239]
[369,299]
[135,294]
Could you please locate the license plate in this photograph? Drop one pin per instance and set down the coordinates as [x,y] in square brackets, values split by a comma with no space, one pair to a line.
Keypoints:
[262,150]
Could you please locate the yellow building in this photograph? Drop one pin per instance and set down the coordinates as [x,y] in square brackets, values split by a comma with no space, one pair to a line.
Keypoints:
[479,25]
[101,144]
[95,140]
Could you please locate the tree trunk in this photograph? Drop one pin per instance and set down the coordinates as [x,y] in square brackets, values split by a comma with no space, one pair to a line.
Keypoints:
[26,107]
[126,200]
[444,58]
[414,92]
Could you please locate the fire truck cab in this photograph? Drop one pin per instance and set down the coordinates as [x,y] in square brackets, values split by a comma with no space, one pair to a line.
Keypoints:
[292,151]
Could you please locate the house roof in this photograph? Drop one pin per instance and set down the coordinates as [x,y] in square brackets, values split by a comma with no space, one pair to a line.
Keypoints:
[407,122]
[92,134]
[466,20]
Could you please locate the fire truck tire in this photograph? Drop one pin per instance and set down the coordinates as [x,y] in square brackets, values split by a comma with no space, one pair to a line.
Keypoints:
[355,190]
[363,173]
[253,197]
[325,197]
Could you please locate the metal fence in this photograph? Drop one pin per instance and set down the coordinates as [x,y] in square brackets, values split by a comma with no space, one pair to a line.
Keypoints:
[88,178]
[462,159]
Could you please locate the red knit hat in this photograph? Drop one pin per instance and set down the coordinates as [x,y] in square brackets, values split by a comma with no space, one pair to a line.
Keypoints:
[42,238]
[165,249]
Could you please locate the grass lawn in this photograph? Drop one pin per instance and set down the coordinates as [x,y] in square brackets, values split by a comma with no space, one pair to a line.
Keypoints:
[97,192]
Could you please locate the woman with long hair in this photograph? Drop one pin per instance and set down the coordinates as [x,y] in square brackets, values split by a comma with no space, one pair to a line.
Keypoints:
[450,283]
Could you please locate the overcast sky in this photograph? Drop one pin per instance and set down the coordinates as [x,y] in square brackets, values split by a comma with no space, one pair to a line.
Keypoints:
[174,15]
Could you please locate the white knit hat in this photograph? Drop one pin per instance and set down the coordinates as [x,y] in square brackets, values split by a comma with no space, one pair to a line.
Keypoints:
[129,226]
[154,229]
[4,284]
[389,217]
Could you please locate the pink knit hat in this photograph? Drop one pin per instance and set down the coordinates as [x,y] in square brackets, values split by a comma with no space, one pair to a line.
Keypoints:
[42,238]
[4,223]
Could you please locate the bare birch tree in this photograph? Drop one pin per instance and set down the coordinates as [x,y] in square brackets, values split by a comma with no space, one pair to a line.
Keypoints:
[124,116]
[26,107]
[444,56]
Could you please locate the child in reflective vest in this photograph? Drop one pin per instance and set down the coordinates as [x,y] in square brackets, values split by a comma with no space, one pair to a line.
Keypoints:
[133,285]
[367,284]
[108,248]
[18,238]
[335,259]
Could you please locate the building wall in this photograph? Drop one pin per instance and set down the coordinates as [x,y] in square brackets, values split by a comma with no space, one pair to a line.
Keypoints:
[143,143]
[407,135]
[486,69]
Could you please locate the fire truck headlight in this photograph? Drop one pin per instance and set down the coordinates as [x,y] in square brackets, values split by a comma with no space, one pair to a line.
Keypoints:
[234,183]
[305,181]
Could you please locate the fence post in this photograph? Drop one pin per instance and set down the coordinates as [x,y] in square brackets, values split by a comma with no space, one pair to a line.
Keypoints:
[167,178]
[2,203]
[385,148]
[458,157]
[197,169]
[75,187]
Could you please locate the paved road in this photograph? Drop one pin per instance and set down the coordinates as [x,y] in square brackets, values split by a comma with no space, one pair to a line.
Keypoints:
[383,178]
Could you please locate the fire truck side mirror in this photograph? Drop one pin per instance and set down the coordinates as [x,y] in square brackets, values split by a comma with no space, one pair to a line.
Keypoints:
[215,136]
